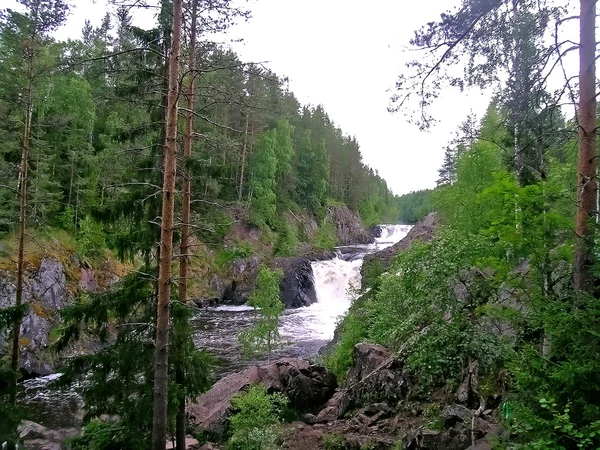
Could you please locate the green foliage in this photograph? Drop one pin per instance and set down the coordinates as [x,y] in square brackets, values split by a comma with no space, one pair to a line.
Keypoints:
[117,381]
[352,330]
[414,206]
[334,441]
[91,240]
[254,424]
[240,250]
[411,306]
[263,167]
[11,414]
[106,435]
[263,335]
[325,236]
[287,239]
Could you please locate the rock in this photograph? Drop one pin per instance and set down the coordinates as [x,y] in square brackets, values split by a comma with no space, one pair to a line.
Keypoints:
[366,358]
[423,231]
[336,407]
[297,287]
[190,443]
[437,439]
[45,291]
[38,437]
[308,418]
[456,413]
[348,226]
[306,385]
[375,377]
[87,280]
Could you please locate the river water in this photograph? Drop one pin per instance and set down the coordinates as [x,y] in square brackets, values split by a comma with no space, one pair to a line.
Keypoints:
[303,330]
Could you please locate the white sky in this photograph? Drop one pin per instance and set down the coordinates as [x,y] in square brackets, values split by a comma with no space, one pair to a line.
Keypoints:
[346,55]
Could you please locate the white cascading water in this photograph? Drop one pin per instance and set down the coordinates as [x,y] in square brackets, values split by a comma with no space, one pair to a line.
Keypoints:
[337,283]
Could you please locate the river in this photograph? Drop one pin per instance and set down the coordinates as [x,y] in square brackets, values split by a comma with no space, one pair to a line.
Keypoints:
[303,330]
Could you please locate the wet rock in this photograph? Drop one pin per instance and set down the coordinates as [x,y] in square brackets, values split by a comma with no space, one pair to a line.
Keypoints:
[307,386]
[297,287]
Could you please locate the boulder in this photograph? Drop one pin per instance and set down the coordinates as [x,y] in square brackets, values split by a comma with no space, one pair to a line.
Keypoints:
[366,358]
[376,377]
[38,437]
[297,287]
[456,413]
[307,386]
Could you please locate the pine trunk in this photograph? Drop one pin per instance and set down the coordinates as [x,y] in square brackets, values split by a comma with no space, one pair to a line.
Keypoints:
[16,332]
[186,215]
[586,186]
[161,368]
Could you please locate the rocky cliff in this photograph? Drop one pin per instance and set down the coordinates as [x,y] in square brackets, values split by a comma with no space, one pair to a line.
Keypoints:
[349,228]
[51,283]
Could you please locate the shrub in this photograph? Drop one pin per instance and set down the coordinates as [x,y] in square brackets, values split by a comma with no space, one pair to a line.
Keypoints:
[254,425]
[263,336]
[91,240]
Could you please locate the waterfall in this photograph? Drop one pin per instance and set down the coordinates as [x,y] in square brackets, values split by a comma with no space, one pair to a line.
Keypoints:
[337,283]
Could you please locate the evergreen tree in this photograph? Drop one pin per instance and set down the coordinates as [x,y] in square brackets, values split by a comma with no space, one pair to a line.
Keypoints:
[263,168]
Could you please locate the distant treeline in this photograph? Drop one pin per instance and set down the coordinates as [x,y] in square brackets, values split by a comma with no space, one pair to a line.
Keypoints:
[414,206]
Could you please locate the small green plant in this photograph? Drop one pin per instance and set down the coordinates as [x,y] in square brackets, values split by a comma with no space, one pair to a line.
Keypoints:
[334,441]
[240,250]
[254,425]
[91,239]
[433,413]
[263,336]
[67,219]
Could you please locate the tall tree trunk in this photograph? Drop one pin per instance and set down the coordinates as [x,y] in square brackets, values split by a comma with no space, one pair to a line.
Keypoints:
[161,368]
[16,332]
[586,167]
[185,214]
[241,188]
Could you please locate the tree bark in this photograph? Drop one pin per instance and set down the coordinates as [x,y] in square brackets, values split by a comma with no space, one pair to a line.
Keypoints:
[185,214]
[241,189]
[16,332]
[586,167]
[161,368]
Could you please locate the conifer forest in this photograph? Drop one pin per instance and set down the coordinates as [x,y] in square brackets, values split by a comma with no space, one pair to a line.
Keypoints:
[194,257]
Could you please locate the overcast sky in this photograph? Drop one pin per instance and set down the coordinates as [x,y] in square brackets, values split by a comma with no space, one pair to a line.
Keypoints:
[346,55]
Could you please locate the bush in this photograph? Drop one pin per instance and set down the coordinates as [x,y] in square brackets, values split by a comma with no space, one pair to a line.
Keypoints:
[263,336]
[91,240]
[254,425]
